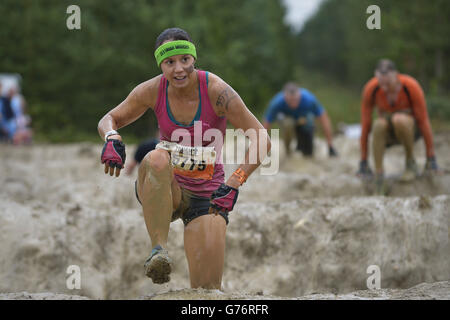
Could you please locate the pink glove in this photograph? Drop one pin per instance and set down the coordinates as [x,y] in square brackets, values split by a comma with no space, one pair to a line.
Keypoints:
[224,198]
[113,153]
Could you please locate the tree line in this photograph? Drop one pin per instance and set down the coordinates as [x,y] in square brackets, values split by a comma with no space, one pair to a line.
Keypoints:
[72,77]
[414,34]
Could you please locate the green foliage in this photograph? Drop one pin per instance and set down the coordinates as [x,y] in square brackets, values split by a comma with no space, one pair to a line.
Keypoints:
[71,78]
[414,33]
[341,102]
[439,107]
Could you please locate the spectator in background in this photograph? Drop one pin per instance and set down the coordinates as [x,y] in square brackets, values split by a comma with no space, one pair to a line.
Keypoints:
[296,108]
[14,123]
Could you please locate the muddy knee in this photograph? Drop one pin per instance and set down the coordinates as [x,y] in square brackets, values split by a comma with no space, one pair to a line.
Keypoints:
[380,127]
[156,161]
[402,121]
[156,166]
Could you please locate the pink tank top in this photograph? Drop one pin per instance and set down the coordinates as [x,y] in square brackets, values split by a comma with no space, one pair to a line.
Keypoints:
[207,119]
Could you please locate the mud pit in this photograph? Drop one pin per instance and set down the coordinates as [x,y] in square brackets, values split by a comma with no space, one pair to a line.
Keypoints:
[310,231]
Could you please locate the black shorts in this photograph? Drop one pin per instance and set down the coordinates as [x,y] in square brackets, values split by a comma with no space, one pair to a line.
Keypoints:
[305,139]
[191,206]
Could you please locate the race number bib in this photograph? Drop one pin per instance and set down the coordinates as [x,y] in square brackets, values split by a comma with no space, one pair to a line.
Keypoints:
[192,162]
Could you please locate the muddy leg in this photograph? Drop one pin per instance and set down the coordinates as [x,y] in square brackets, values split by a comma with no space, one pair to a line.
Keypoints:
[204,243]
[159,194]
[380,132]
[288,132]
[404,131]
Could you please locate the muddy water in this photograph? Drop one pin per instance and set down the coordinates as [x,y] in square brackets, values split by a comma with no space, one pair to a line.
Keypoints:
[310,229]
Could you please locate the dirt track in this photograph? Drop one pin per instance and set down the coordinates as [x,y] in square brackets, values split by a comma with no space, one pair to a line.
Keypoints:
[312,228]
[424,291]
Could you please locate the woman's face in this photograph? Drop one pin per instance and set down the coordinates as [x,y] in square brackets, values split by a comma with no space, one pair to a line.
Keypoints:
[177,69]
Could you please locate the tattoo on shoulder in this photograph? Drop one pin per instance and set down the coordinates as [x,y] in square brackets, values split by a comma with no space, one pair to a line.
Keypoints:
[224,99]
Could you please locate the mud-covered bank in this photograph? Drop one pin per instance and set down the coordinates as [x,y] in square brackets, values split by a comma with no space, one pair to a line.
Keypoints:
[311,228]
[423,291]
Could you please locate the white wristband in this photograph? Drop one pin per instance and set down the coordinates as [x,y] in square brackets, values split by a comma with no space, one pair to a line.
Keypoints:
[110,133]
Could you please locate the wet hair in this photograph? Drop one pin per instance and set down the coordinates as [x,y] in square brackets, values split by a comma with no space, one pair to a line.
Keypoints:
[290,88]
[172,34]
[385,65]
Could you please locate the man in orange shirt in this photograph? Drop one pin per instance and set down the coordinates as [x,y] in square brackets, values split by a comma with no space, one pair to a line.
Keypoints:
[401,118]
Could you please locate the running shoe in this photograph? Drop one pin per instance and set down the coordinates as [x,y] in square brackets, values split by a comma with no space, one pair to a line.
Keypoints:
[410,172]
[158,265]
[380,185]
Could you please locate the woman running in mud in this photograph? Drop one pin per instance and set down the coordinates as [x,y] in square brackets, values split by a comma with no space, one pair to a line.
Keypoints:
[184,177]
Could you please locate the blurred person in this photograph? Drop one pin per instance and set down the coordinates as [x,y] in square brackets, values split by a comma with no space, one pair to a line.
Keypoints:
[13,121]
[296,108]
[141,151]
[402,118]
[23,133]
[171,184]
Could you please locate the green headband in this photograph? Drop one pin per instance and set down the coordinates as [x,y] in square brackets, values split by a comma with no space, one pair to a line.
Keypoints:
[174,48]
